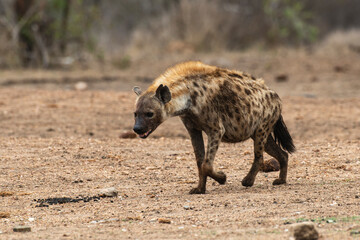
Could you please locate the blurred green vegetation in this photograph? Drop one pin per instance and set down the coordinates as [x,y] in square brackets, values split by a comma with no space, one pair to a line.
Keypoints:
[290,22]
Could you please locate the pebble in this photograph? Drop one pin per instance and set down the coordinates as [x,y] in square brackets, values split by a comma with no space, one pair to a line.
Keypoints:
[109,192]
[81,86]
[187,207]
[22,229]
[271,165]
[164,220]
[4,215]
[304,231]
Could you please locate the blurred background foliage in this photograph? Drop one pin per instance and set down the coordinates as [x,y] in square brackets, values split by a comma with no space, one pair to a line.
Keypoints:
[58,33]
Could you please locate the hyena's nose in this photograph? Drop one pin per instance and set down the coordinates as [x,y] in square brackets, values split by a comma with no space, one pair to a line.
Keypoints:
[138,129]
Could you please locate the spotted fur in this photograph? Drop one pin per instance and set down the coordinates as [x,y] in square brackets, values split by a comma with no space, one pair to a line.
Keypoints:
[229,106]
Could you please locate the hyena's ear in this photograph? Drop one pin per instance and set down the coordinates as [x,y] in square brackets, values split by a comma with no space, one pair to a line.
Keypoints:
[137,90]
[163,94]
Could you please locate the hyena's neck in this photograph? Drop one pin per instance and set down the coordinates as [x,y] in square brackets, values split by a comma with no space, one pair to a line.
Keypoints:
[180,99]
[178,105]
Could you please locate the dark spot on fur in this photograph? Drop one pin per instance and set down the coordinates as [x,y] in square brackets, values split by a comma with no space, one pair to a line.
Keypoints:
[248,107]
[238,88]
[235,75]
[236,129]
[236,110]
[194,97]
[253,78]
[247,91]
[238,119]
[217,73]
[195,84]
[204,87]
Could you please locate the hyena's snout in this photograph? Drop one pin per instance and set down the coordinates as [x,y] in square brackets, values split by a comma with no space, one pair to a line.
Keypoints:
[142,129]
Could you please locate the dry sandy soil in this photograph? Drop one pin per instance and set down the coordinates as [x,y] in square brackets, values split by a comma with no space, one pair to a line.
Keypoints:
[58,142]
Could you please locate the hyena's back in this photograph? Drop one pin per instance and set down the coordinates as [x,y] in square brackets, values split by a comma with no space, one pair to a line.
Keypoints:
[239,101]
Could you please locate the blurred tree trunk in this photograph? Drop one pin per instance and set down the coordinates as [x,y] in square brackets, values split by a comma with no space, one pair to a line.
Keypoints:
[64,26]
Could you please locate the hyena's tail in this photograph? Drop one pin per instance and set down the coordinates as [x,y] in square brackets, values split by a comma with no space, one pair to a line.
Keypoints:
[282,136]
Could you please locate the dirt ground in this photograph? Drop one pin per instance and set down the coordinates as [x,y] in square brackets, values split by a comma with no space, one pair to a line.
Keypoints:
[59,142]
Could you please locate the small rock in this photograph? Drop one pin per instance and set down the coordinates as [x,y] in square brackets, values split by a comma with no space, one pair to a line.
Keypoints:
[247,153]
[186,207]
[304,231]
[4,215]
[281,78]
[31,219]
[164,220]
[108,192]
[81,86]
[309,95]
[128,135]
[271,165]
[340,68]
[22,229]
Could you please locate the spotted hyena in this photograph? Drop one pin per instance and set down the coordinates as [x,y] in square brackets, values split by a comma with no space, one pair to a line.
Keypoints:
[228,105]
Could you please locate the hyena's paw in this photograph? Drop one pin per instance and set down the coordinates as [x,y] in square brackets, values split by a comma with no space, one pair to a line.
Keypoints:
[247,181]
[279,181]
[220,177]
[197,191]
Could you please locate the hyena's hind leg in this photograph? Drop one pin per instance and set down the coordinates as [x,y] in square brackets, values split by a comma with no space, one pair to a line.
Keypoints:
[276,152]
[259,143]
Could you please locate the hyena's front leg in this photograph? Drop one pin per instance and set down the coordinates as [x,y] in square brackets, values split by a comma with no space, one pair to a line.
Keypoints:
[199,150]
[214,139]
[198,145]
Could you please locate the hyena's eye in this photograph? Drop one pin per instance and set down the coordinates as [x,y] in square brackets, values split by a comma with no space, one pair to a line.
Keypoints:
[149,114]
[135,114]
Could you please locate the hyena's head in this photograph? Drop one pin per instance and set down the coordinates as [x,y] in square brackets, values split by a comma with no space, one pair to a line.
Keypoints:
[150,110]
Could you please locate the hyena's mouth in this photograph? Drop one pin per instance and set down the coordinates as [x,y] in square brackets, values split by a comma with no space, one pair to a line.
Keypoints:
[145,135]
